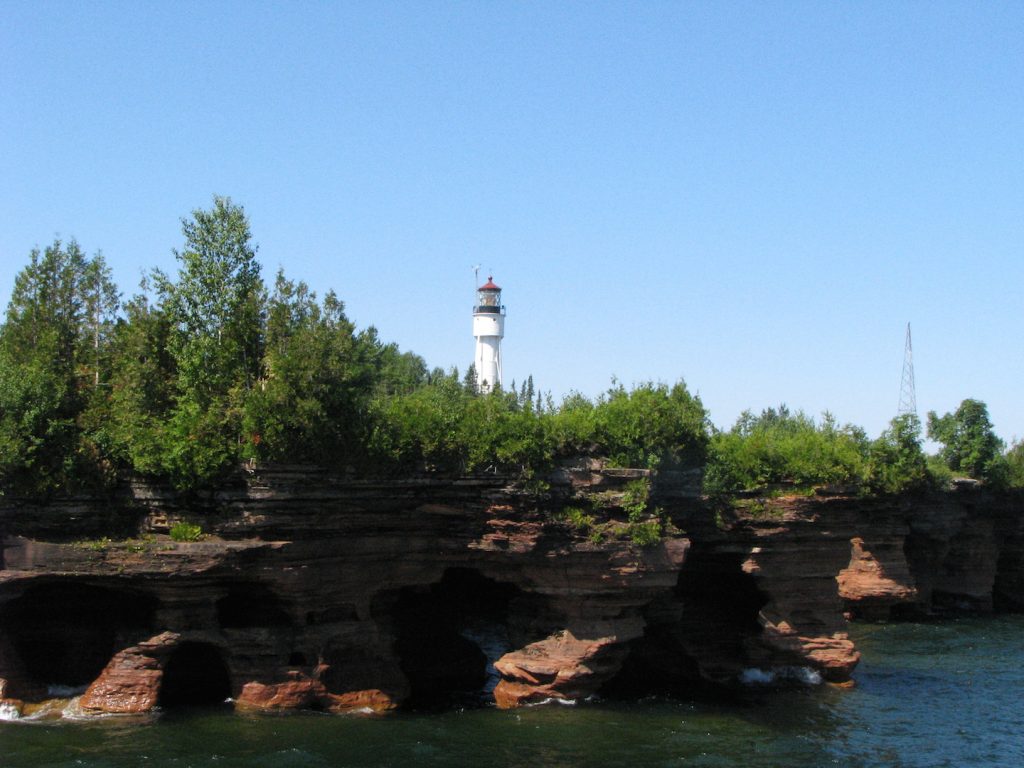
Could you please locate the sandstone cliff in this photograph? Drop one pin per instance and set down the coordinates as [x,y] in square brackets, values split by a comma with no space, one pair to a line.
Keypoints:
[337,593]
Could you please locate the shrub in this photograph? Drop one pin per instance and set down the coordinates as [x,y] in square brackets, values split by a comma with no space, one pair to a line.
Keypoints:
[780,448]
[1015,465]
[645,534]
[577,518]
[939,473]
[183,531]
[969,444]
[634,499]
[896,462]
[651,425]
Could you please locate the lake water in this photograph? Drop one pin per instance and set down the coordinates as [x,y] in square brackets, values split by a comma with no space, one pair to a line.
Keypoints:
[927,695]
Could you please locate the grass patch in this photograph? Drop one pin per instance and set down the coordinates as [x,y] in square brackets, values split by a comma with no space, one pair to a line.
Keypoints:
[645,534]
[577,518]
[186,532]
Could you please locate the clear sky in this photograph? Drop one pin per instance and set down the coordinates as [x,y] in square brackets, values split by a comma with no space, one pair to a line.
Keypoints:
[755,197]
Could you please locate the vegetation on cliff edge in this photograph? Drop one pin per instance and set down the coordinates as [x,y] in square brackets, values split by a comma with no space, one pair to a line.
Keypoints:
[209,367]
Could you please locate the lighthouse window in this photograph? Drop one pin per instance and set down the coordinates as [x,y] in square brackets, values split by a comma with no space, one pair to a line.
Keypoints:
[488,298]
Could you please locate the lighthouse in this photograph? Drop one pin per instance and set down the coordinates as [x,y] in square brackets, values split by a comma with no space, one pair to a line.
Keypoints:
[489,329]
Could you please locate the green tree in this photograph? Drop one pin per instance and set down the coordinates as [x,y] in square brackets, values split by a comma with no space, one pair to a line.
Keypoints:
[469,381]
[969,444]
[571,425]
[215,309]
[896,463]
[1015,465]
[53,348]
[216,304]
[319,377]
[142,386]
[102,303]
[651,425]
[424,426]
[783,448]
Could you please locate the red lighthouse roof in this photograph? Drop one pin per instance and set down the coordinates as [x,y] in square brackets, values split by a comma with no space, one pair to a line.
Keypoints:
[489,285]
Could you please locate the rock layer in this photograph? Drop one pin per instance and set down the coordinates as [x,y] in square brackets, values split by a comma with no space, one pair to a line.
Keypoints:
[339,594]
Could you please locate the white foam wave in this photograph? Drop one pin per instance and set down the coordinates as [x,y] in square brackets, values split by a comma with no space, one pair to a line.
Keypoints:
[553,700]
[9,711]
[802,675]
[807,676]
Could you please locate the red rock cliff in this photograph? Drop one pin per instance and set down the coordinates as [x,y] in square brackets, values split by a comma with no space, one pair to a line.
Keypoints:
[314,591]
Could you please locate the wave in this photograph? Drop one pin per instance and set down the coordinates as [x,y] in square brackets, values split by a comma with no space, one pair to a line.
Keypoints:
[758,676]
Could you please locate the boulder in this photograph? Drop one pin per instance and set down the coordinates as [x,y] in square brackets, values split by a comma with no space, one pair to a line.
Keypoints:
[130,683]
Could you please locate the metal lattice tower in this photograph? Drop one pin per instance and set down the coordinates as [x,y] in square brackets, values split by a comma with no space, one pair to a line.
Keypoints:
[908,390]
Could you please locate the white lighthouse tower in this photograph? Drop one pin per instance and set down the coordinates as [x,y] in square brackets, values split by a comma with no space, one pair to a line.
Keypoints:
[489,329]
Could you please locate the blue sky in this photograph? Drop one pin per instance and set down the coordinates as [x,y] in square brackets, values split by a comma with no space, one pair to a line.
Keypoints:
[755,197]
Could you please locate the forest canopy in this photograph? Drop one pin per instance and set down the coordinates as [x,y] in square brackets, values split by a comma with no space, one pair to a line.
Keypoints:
[210,367]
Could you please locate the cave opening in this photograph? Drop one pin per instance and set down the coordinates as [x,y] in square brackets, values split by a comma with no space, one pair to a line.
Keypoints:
[697,638]
[195,675]
[713,587]
[448,634]
[66,632]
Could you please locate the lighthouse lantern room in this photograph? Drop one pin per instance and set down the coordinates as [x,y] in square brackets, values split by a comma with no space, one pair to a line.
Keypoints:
[489,329]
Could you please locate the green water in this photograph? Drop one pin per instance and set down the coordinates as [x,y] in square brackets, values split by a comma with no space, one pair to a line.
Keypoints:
[927,695]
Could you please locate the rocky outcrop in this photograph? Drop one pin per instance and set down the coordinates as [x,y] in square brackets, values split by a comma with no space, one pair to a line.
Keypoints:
[562,666]
[876,579]
[309,692]
[130,683]
[341,594]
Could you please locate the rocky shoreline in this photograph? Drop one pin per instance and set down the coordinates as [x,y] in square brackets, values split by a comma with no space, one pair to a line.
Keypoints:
[318,591]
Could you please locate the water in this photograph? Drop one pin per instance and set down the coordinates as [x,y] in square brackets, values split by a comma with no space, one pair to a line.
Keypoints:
[927,695]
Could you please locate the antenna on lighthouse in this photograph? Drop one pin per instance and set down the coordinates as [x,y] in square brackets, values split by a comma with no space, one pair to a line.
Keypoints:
[908,389]
[476,275]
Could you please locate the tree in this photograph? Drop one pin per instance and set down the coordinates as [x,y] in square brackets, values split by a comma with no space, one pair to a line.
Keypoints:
[215,311]
[217,302]
[142,385]
[47,310]
[896,463]
[1015,465]
[651,425]
[101,304]
[469,381]
[313,402]
[969,444]
[53,345]
[424,426]
[783,448]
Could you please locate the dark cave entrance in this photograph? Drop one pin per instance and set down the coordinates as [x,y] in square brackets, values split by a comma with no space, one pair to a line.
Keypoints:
[448,634]
[195,675]
[697,638]
[65,632]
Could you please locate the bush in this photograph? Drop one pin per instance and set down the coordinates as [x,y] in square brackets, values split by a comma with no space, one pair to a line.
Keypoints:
[939,473]
[969,444]
[896,462]
[1015,465]
[651,426]
[780,448]
[183,531]
[645,534]
[634,499]
[577,518]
